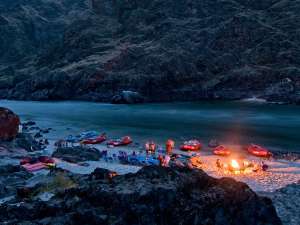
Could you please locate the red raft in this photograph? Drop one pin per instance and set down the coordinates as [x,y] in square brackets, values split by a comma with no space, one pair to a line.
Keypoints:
[35,164]
[258,151]
[222,151]
[192,145]
[93,141]
[122,142]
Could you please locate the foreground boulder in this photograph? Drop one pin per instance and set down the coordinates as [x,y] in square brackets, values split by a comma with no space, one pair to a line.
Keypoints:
[12,177]
[77,154]
[9,124]
[27,142]
[43,188]
[154,195]
[20,147]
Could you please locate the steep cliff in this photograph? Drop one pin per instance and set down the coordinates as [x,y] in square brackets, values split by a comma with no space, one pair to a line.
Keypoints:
[164,49]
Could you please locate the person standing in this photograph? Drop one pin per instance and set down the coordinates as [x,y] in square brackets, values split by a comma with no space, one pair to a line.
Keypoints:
[170,146]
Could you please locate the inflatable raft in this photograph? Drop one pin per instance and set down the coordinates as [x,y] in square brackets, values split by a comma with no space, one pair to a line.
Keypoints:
[192,145]
[221,151]
[36,164]
[94,141]
[258,151]
[120,142]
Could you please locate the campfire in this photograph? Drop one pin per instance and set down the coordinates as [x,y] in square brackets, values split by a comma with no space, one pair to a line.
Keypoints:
[235,166]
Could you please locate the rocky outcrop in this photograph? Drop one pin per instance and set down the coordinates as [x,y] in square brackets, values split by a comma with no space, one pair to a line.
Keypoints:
[23,144]
[45,186]
[154,195]
[12,177]
[280,91]
[127,97]
[163,49]
[77,154]
[286,202]
[27,142]
[9,124]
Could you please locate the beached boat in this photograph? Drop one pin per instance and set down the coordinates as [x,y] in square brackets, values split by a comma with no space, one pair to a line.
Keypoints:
[88,135]
[258,151]
[213,143]
[46,159]
[72,139]
[96,140]
[221,150]
[35,164]
[120,142]
[192,145]
[82,136]
[34,167]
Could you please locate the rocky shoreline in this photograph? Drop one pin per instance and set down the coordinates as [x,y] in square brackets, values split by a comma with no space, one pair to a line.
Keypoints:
[134,97]
[62,197]
[154,195]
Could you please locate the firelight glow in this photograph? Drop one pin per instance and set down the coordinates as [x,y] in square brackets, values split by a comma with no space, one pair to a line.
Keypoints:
[235,164]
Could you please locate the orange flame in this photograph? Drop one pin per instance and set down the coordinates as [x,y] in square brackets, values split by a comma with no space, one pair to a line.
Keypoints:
[235,164]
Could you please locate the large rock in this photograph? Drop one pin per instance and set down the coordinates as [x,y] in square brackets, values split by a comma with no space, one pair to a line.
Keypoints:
[20,147]
[57,180]
[154,195]
[77,154]
[127,97]
[12,177]
[9,124]
[27,142]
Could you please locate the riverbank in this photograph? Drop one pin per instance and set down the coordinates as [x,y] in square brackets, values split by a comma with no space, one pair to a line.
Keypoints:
[38,185]
[46,185]
[132,97]
[19,185]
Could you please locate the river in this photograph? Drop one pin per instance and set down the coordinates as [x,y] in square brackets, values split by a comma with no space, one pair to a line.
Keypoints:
[274,126]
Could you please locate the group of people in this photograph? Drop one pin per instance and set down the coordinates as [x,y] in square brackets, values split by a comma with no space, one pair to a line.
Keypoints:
[150,147]
[163,160]
[243,166]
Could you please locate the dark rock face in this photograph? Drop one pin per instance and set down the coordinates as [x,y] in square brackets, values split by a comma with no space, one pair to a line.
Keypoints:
[154,195]
[56,181]
[12,177]
[77,154]
[9,124]
[281,91]
[20,147]
[164,49]
[27,142]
